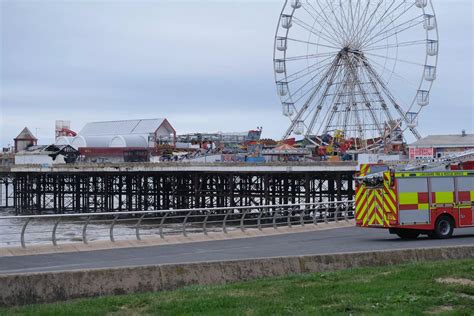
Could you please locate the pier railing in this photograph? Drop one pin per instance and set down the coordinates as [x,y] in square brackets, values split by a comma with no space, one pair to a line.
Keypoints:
[85,227]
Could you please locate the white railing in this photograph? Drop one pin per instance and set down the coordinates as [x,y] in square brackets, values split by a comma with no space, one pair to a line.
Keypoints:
[85,227]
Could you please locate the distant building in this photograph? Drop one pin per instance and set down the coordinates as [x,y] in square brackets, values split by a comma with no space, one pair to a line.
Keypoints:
[46,155]
[122,134]
[437,146]
[7,158]
[120,141]
[145,133]
[218,139]
[285,153]
[24,140]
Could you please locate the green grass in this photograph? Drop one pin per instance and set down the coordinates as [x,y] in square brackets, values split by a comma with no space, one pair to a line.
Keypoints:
[413,289]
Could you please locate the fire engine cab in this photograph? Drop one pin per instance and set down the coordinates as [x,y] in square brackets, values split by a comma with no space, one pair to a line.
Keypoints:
[432,198]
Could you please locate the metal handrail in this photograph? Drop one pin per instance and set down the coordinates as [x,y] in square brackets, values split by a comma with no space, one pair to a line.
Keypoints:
[169,210]
[177,221]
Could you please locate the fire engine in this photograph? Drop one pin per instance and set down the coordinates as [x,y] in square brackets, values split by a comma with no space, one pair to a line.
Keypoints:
[431,198]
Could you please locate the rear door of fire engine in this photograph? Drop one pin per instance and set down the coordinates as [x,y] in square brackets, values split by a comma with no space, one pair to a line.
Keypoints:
[413,201]
[465,200]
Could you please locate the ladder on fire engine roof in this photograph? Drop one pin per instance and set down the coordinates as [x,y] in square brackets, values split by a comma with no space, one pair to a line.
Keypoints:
[440,163]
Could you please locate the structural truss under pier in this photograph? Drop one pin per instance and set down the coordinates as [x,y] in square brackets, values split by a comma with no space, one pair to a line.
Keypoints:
[144,187]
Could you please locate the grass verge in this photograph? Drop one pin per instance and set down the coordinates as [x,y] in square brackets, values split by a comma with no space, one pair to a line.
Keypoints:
[438,288]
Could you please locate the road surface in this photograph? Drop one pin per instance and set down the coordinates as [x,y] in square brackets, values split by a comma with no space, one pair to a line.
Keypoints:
[308,243]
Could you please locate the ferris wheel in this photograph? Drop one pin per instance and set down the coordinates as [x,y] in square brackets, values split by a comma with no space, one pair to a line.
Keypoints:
[359,70]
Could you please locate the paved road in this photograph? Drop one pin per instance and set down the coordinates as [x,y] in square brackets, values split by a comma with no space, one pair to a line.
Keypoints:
[308,243]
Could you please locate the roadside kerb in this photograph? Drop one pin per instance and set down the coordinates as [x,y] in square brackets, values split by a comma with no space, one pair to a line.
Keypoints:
[20,289]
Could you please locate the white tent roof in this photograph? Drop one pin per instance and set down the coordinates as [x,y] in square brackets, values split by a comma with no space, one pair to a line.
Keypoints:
[128,127]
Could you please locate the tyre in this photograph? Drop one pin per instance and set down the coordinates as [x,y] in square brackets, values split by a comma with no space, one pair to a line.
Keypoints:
[444,227]
[408,234]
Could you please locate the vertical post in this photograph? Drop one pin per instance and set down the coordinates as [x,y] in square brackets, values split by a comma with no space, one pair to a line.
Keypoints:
[184,223]
[23,230]
[53,234]
[137,227]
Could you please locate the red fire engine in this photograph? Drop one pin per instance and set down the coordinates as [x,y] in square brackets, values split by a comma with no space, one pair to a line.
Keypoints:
[432,198]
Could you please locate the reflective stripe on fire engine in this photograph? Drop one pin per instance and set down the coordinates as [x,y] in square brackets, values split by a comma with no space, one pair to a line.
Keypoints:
[364,170]
[361,202]
[433,174]
[375,202]
[390,199]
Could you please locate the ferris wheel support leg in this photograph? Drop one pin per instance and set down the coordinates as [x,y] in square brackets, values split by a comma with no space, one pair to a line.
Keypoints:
[335,103]
[392,99]
[311,98]
[366,100]
[321,102]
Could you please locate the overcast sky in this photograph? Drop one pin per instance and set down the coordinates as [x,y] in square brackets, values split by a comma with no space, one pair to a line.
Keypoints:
[204,65]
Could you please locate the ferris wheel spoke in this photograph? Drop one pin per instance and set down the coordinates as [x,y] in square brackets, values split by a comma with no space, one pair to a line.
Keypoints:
[306,72]
[303,95]
[398,45]
[311,56]
[318,71]
[343,29]
[360,18]
[317,18]
[314,67]
[392,73]
[396,59]
[324,16]
[343,14]
[366,26]
[312,43]
[292,98]
[393,31]
[384,30]
[307,27]
[385,15]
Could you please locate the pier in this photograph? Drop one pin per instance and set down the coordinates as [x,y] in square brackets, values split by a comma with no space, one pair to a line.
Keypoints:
[138,187]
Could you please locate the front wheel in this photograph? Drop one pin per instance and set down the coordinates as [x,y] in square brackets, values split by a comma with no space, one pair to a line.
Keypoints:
[407,234]
[444,228]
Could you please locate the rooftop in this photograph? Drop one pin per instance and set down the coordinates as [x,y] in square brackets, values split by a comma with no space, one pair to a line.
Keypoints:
[26,134]
[45,149]
[466,140]
[127,127]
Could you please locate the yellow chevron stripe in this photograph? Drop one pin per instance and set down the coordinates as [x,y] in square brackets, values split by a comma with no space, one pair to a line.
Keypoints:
[389,207]
[379,199]
[375,218]
[359,191]
[361,210]
[390,191]
[367,212]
